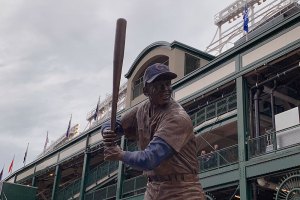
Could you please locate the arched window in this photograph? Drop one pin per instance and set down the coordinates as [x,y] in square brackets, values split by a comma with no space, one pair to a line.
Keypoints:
[138,87]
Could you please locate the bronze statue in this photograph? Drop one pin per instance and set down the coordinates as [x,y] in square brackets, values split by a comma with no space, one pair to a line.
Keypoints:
[165,137]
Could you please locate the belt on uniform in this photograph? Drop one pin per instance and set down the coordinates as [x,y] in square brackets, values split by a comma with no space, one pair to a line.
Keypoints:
[173,177]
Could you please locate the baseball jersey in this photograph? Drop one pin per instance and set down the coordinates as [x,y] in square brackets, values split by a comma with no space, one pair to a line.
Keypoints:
[170,123]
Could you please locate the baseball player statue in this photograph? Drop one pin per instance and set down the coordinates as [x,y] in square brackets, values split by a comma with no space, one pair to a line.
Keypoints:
[167,144]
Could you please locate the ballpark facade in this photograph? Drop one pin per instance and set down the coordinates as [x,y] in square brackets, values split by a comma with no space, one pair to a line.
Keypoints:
[244,104]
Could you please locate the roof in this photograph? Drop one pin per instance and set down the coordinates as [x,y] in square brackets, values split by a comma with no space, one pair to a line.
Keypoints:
[174,44]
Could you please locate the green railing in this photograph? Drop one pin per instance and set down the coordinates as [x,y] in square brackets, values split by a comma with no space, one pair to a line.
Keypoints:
[101,171]
[217,159]
[132,147]
[215,109]
[262,145]
[108,192]
[70,190]
[134,186]
[273,141]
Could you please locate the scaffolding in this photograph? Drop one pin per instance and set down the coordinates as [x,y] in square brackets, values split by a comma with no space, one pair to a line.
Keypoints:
[229,21]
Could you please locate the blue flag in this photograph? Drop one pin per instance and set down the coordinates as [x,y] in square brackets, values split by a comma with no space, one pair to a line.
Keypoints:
[245,17]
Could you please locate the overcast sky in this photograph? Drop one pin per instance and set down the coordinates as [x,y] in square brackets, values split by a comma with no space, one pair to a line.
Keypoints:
[56,59]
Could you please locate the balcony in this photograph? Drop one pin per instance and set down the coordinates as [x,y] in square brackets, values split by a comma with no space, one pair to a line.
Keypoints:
[219,158]
[70,191]
[105,193]
[274,141]
[214,109]
[134,187]
[131,188]
[102,171]
[95,176]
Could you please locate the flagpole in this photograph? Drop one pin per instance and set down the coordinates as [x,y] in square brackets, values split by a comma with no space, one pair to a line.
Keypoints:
[46,142]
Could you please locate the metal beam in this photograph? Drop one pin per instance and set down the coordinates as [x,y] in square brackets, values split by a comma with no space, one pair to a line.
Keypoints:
[242,135]
[274,162]
[56,182]
[83,176]
[221,176]
[282,96]
[84,169]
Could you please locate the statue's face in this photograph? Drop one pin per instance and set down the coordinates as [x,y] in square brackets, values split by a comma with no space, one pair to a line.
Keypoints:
[159,92]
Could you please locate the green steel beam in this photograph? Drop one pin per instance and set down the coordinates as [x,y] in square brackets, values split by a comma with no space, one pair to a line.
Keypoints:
[222,187]
[33,181]
[120,173]
[56,182]
[138,197]
[229,119]
[274,162]
[84,175]
[84,170]
[225,169]
[242,135]
[220,176]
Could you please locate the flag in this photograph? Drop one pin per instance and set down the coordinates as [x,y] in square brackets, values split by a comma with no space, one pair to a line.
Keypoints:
[11,165]
[25,155]
[245,17]
[69,127]
[97,110]
[46,142]
[1,174]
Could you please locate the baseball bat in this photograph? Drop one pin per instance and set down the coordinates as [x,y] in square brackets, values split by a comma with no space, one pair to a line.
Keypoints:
[117,65]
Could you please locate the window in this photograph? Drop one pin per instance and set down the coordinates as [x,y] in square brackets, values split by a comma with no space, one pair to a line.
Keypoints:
[137,87]
[191,63]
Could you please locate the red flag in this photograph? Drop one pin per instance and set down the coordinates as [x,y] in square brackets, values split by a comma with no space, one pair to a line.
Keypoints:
[11,165]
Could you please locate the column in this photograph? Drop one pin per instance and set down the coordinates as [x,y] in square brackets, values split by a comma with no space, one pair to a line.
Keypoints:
[242,136]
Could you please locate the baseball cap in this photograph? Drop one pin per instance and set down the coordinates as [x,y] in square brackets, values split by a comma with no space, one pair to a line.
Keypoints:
[156,70]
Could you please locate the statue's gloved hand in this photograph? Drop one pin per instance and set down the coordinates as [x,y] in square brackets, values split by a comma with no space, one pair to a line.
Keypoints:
[109,138]
[113,153]
[107,126]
